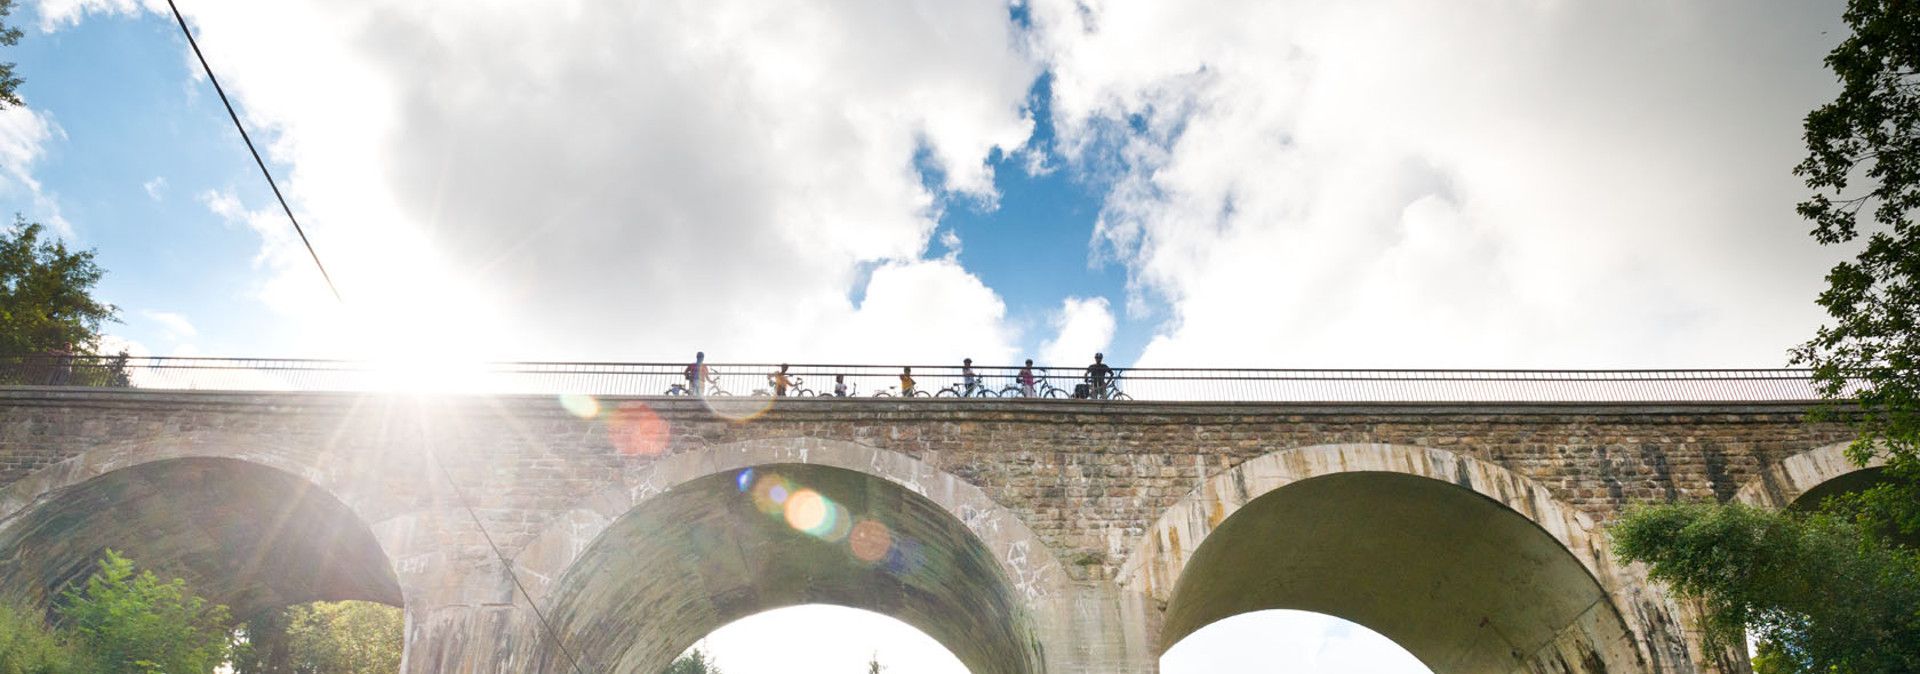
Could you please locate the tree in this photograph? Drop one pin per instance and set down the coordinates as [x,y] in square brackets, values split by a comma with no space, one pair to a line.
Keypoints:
[1869,356]
[9,36]
[137,624]
[46,294]
[28,646]
[1822,594]
[347,637]
[874,666]
[692,662]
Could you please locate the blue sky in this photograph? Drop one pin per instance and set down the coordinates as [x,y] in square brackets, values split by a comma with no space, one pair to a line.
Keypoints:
[1501,183]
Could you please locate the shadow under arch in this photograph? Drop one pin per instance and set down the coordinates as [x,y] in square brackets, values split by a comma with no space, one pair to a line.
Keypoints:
[243,534]
[1467,565]
[714,549]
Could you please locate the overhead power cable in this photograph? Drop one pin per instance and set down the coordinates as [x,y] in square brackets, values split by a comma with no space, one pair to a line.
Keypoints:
[457,492]
[256,153]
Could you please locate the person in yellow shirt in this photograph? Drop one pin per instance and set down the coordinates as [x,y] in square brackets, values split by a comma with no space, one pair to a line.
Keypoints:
[781,382]
[906,382]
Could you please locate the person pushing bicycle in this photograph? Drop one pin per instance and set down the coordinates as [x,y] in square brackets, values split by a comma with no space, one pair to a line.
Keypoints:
[1099,378]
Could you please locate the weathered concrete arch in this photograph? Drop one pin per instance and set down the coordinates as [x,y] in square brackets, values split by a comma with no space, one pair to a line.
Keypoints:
[706,553]
[1333,528]
[1027,561]
[983,584]
[1783,483]
[245,534]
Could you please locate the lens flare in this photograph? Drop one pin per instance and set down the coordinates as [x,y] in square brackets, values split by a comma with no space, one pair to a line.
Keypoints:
[580,405]
[839,523]
[770,494]
[870,541]
[738,409]
[745,481]
[636,430]
[808,511]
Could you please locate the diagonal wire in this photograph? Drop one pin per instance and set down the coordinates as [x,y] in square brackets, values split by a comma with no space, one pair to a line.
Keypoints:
[256,153]
[504,562]
[277,195]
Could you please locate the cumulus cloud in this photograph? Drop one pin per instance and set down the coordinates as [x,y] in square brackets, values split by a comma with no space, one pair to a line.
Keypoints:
[1497,182]
[1082,327]
[24,134]
[57,13]
[624,179]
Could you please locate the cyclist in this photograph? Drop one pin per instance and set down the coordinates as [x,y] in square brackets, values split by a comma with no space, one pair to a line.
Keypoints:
[696,374]
[781,382]
[906,382]
[1098,377]
[967,378]
[1026,379]
[839,386]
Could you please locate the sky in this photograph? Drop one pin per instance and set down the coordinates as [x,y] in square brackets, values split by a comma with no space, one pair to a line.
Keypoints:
[1290,183]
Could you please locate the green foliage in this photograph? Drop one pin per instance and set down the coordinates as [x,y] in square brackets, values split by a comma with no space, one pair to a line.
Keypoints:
[28,646]
[874,666]
[46,301]
[349,637]
[137,624]
[1822,594]
[1870,354]
[9,82]
[693,662]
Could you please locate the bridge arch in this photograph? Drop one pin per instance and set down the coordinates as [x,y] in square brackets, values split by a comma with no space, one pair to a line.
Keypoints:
[685,544]
[1783,484]
[1466,564]
[254,533]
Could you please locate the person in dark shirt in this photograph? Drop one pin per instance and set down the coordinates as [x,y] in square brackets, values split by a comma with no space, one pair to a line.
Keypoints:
[1098,377]
[696,374]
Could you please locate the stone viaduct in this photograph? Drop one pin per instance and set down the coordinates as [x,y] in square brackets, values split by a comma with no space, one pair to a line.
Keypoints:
[1026,536]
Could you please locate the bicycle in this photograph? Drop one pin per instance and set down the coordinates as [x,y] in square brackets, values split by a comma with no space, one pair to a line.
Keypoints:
[712,388]
[960,391]
[894,392]
[1109,391]
[795,390]
[1041,389]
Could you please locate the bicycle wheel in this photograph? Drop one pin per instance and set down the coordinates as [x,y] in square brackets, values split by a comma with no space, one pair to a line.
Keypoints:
[1119,395]
[1055,392]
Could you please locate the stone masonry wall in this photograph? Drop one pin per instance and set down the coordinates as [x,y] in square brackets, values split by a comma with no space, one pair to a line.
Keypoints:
[1089,479]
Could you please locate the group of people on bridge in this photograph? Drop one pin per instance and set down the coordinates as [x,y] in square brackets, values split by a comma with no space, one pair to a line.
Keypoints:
[1097,382]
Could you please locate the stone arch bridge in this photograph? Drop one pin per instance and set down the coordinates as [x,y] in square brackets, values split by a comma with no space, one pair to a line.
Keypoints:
[1026,536]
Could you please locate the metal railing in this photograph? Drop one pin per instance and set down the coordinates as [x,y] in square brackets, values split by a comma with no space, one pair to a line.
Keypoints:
[866,381]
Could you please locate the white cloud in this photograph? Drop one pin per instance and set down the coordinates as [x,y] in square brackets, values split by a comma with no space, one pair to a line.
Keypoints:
[1489,183]
[1082,327]
[177,326]
[820,639]
[155,187]
[622,179]
[24,134]
[1288,641]
[57,13]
